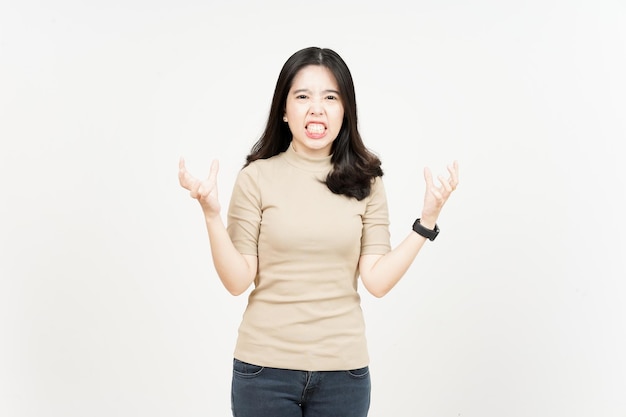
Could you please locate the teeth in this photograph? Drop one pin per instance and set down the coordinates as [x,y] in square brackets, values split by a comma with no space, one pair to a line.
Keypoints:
[315,128]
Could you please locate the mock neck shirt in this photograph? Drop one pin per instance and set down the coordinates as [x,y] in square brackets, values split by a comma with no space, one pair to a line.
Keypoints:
[304,311]
[320,164]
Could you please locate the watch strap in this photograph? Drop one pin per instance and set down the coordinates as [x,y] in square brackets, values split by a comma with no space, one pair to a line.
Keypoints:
[427,233]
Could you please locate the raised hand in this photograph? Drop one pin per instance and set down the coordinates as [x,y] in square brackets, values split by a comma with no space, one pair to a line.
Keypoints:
[205,191]
[436,196]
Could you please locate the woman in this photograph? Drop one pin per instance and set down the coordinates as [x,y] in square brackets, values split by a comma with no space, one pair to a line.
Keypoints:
[308,217]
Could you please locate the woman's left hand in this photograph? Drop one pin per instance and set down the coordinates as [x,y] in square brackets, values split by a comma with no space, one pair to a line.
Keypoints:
[436,196]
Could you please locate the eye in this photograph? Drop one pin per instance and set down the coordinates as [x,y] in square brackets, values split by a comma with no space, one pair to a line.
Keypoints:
[301,97]
[332,97]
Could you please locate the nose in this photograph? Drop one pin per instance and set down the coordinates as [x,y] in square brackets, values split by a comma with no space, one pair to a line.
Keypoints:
[317,109]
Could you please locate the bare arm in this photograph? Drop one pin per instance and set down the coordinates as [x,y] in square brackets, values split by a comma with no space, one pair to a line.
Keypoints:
[236,271]
[380,273]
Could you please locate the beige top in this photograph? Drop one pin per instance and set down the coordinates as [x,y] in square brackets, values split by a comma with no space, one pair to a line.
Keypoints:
[304,312]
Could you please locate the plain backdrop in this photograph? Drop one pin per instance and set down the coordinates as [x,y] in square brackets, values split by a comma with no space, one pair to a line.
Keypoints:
[109,303]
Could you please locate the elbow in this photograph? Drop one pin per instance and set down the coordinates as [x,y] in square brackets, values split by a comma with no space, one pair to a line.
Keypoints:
[379,292]
[235,284]
[236,290]
[235,287]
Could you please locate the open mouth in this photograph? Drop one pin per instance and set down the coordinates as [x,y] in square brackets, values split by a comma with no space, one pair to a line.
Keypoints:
[315,129]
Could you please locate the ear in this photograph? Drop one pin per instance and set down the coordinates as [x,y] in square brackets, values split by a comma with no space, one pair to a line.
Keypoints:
[285,119]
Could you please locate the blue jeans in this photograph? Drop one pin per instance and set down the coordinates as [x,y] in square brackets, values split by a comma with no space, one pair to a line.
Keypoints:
[270,392]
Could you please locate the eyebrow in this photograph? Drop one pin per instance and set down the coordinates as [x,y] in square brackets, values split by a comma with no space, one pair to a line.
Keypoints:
[305,90]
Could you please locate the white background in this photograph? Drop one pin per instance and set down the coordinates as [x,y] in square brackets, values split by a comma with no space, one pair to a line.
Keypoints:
[109,304]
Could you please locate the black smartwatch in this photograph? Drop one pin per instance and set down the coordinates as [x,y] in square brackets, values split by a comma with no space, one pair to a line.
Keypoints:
[427,233]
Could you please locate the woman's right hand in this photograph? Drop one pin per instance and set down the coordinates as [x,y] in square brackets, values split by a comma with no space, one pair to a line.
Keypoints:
[204,191]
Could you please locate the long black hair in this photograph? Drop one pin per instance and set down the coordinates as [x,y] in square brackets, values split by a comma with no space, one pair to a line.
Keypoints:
[354,166]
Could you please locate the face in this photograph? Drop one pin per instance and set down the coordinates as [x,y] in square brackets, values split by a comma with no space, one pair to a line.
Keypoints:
[314,111]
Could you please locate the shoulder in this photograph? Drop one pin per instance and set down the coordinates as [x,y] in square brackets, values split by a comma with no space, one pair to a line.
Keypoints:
[377,193]
[378,185]
[260,168]
[266,162]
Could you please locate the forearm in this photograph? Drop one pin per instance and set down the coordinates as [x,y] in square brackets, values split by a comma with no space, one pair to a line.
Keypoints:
[380,274]
[235,270]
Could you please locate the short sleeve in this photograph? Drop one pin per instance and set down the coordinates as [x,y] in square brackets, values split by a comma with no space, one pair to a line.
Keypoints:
[244,212]
[375,238]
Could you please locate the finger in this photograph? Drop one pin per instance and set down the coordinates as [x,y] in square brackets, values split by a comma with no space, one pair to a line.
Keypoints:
[212,178]
[183,175]
[452,181]
[187,181]
[215,167]
[437,195]
[195,189]
[203,187]
[454,173]
[182,168]
[428,176]
[210,184]
[207,187]
[445,183]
